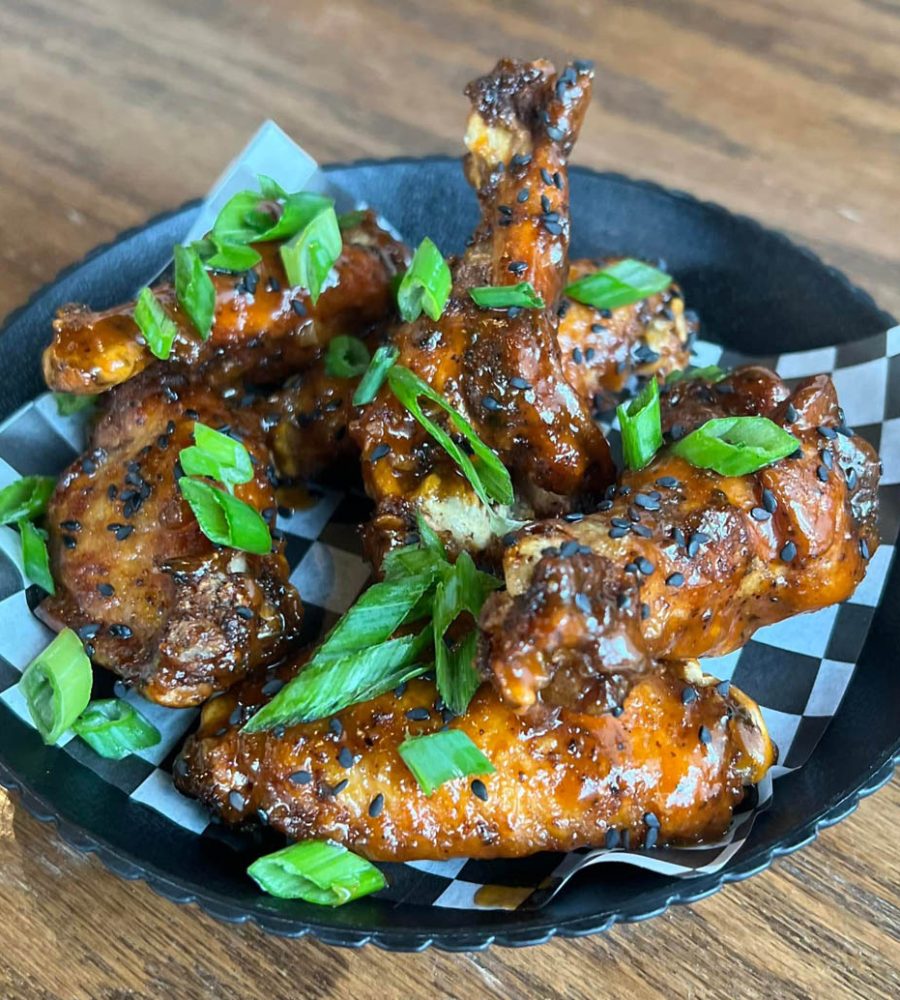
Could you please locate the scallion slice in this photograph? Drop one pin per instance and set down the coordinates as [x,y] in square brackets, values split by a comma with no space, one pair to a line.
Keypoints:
[217,456]
[225,256]
[114,729]
[382,360]
[490,479]
[25,498]
[309,256]
[441,757]
[316,871]
[224,519]
[519,296]
[34,556]
[709,373]
[297,212]
[641,426]
[621,284]
[155,324]
[69,403]
[56,685]
[194,289]
[426,285]
[736,446]
[346,357]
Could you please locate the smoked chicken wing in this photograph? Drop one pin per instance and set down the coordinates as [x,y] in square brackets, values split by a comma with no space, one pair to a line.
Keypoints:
[154,599]
[680,561]
[566,781]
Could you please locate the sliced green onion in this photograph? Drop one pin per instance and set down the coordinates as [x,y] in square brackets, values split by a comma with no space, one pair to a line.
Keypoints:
[641,426]
[350,220]
[26,498]
[346,357]
[316,871]
[440,757]
[270,189]
[68,403]
[371,382]
[155,324]
[310,255]
[490,480]
[621,284]
[232,226]
[463,588]
[194,289]
[56,685]
[426,284]
[34,556]
[710,373]
[217,456]
[297,212]
[114,729]
[224,519]
[519,296]
[328,684]
[736,446]
[230,256]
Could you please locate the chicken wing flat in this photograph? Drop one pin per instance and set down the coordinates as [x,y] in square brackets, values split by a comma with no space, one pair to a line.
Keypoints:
[263,330]
[154,599]
[606,351]
[499,368]
[681,562]
[569,781]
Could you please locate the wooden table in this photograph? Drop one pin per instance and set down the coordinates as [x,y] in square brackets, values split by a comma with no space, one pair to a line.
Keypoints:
[785,110]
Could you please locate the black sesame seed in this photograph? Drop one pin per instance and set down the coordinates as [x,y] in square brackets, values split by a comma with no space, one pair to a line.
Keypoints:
[106,589]
[705,735]
[340,786]
[769,501]
[279,731]
[517,267]
[244,612]
[645,612]
[641,530]
[235,716]
[864,548]
[123,531]
[262,816]
[300,778]
[522,195]
[112,491]
[788,552]
[272,687]
[489,403]
[577,356]
[376,806]
[760,514]
[822,473]
[69,541]
[651,820]
[298,307]
[619,522]
[646,501]
[611,840]
[513,311]
[546,176]
[616,532]
[583,603]
[829,433]
[120,631]
[558,180]
[70,525]
[88,631]
[790,413]
[553,228]
[827,458]
[345,757]
[418,714]
[519,383]
[675,579]
[650,838]
[89,466]
[379,451]
[521,159]
[688,695]
[668,482]
[336,727]
[645,566]
[589,354]
[569,548]
[273,284]
[479,790]
[677,432]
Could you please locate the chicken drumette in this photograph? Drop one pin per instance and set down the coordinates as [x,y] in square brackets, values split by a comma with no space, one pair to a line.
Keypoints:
[570,780]
[501,369]
[679,561]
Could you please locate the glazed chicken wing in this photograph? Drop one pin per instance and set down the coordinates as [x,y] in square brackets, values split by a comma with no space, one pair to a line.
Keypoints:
[570,781]
[680,561]
[263,329]
[499,368]
[154,599]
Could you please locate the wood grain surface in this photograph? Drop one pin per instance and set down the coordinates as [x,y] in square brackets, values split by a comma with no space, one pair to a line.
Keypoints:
[788,110]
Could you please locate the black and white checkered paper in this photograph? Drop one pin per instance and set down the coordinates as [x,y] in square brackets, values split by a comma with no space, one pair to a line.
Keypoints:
[797,670]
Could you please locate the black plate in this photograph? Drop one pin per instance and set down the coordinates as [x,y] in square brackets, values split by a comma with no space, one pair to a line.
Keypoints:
[756,292]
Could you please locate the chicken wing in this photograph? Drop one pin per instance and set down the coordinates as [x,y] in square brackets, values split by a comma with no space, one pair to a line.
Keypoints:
[154,599]
[568,781]
[681,562]
[264,329]
[500,369]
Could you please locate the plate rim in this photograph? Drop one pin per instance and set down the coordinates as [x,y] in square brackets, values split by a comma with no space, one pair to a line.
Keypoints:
[454,939]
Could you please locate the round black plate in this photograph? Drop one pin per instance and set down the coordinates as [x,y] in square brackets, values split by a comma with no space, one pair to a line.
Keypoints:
[756,292]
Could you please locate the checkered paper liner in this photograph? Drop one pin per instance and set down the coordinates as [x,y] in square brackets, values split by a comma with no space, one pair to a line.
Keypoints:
[797,670]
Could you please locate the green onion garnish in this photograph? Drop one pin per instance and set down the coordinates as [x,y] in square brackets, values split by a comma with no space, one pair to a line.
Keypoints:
[228,256]
[736,446]
[490,479]
[426,284]
[155,324]
[709,373]
[34,556]
[68,403]
[316,871]
[350,220]
[56,685]
[217,456]
[224,519]
[25,498]
[297,212]
[346,357]
[232,226]
[309,256]
[440,757]
[463,588]
[520,296]
[620,284]
[115,729]
[371,382]
[194,289]
[641,426]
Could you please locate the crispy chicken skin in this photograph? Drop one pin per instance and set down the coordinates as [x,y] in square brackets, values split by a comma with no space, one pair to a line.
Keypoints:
[153,598]
[264,329]
[604,351]
[682,562]
[559,784]
[500,369]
